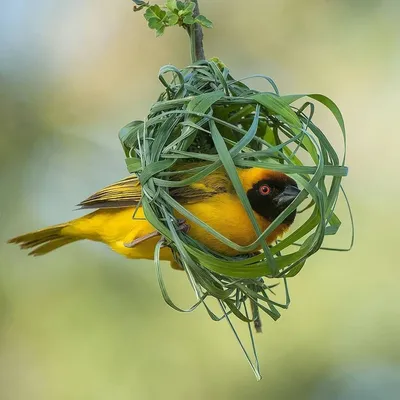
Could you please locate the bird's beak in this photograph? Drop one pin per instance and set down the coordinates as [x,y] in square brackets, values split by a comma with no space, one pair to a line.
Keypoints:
[287,196]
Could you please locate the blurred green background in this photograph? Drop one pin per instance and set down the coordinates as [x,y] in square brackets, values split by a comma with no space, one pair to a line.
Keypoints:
[84,323]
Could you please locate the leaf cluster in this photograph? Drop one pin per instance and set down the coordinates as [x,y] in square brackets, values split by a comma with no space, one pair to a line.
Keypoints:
[174,12]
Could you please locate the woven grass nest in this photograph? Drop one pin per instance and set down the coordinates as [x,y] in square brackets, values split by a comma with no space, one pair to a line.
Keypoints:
[206,115]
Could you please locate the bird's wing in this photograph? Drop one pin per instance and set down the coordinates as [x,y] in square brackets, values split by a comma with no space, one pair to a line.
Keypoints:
[128,192]
[216,183]
[124,193]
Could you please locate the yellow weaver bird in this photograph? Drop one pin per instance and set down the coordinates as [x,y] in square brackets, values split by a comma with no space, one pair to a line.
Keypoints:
[212,199]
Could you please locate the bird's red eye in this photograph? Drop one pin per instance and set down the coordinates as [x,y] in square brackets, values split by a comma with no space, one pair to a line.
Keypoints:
[264,190]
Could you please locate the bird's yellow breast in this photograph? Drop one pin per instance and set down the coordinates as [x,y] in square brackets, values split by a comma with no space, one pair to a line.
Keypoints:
[223,212]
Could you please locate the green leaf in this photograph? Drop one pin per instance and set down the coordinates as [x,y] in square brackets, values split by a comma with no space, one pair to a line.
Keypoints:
[269,135]
[231,304]
[154,12]
[180,5]
[203,21]
[154,169]
[327,102]
[334,225]
[128,134]
[133,164]
[294,271]
[171,5]
[172,19]
[160,31]
[154,23]
[275,104]
[202,102]
[189,9]
[188,20]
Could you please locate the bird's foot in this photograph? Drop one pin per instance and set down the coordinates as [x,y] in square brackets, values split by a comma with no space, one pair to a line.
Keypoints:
[141,239]
[183,226]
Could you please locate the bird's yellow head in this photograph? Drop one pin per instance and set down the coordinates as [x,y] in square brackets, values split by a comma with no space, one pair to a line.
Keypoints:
[269,192]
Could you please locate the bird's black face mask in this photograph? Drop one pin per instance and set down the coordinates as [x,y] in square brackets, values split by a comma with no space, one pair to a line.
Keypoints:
[270,197]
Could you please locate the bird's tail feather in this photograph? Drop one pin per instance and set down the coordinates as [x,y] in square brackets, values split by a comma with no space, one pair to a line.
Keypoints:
[44,240]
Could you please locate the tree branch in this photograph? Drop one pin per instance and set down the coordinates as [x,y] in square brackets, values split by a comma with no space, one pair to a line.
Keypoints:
[196,37]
